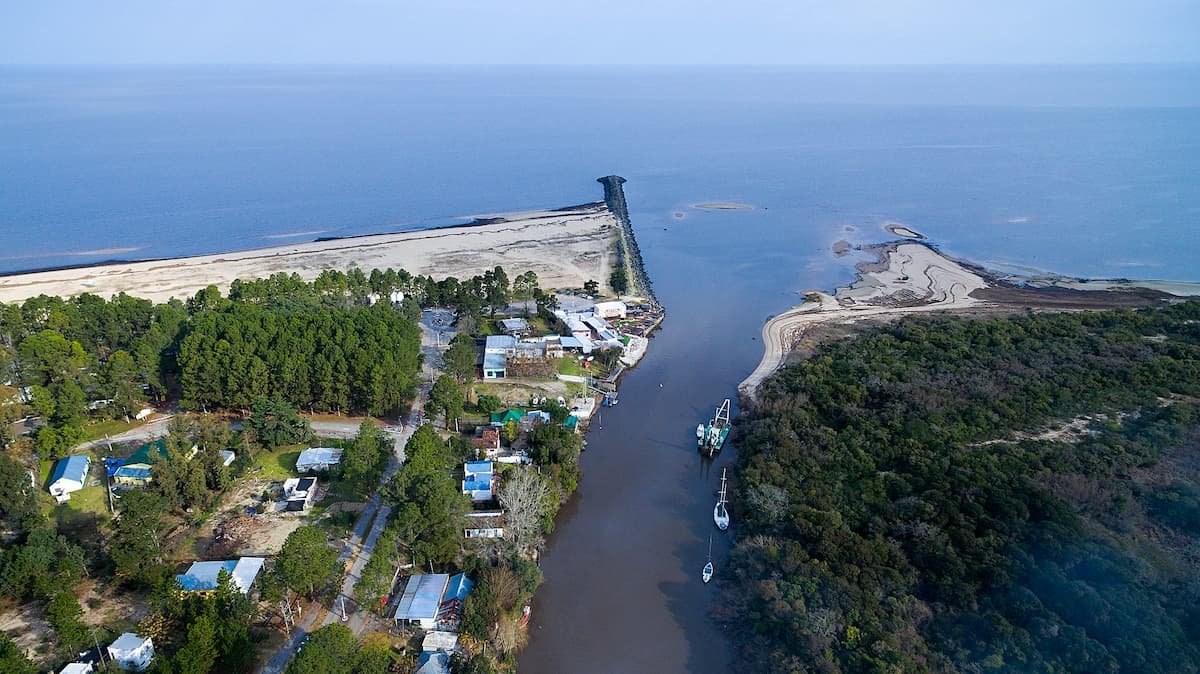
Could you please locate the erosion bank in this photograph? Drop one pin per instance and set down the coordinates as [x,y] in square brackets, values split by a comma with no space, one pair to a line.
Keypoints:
[909,277]
[565,247]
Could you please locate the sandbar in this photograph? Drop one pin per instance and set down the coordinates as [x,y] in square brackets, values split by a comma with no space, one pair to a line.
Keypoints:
[723,206]
[564,247]
[901,230]
[910,277]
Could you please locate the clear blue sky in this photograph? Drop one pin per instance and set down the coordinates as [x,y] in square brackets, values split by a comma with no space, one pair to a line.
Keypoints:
[599,31]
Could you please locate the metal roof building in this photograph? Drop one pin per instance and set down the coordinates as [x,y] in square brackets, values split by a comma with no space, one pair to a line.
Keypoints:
[202,576]
[421,599]
[70,474]
[318,458]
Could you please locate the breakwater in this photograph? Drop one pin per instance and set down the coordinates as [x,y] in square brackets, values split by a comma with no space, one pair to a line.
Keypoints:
[628,254]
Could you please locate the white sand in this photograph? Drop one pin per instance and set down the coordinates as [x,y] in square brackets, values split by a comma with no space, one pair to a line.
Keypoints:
[565,249]
[916,279]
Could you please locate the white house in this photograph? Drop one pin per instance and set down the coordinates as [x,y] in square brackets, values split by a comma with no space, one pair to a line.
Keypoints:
[422,599]
[484,524]
[609,309]
[227,456]
[78,668]
[132,652]
[318,458]
[70,475]
[495,362]
[299,492]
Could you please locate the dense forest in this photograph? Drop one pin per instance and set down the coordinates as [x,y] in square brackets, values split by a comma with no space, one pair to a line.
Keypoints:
[952,494]
[335,344]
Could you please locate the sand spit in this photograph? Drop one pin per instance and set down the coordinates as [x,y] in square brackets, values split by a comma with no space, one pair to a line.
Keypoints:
[723,206]
[564,247]
[901,230]
[910,278]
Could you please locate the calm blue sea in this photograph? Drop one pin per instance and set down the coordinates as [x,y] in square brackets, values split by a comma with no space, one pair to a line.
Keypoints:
[1092,171]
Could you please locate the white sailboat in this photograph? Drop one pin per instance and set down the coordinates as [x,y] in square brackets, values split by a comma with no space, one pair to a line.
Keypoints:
[707,574]
[720,513]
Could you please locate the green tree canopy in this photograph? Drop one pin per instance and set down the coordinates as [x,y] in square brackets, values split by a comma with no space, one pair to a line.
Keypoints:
[306,563]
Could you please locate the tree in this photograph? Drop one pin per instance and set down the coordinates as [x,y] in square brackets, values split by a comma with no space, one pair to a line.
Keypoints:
[446,397]
[619,281]
[460,358]
[199,652]
[330,650]
[18,500]
[511,431]
[43,564]
[306,562]
[120,375]
[362,459]
[135,547]
[276,423]
[524,497]
[591,287]
[64,613]
[12,660]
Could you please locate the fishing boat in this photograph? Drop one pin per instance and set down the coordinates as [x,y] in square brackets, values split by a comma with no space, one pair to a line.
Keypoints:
[710,438]
[720,513]
[707,574]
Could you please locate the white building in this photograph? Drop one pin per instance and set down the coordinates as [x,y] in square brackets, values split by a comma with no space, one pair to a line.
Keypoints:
[132,652]
[203,576]
[478,477]
[70,475]
[78,668]
[299,492]
[318,458]
[609,309]
[495,363]
[484,524]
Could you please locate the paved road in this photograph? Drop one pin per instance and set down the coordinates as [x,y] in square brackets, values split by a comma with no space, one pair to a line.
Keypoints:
[373,518]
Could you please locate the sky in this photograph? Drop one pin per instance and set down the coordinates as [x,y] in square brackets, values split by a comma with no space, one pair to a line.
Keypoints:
[570,32]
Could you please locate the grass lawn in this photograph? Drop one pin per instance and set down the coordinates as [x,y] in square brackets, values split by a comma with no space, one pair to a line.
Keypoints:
[110,427]
[276,465]
[570,365]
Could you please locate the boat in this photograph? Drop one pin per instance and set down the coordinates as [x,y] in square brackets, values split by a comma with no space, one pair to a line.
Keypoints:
[720,513]
[710,438]
[707,574]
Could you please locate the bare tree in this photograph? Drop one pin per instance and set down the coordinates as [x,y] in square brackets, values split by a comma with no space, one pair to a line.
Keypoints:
[523,496]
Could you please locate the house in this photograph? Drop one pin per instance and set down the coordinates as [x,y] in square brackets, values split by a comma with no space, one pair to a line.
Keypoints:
[227,456]
[144,413]
[131,652]
[202,577]
[494,359]
[135,471]
[517,327]
[574,344]
[609,309]
[511,414]
[477,481]
[78,668]
[299,493]
[450,609]
[421,600]
[486,438]
[318,459]
[433,662]
[484,524]
[70,475]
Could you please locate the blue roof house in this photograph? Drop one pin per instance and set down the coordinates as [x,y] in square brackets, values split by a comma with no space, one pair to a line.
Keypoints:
[478,478]
[70,475]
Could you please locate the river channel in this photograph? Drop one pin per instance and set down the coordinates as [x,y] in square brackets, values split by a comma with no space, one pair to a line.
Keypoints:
[622,588]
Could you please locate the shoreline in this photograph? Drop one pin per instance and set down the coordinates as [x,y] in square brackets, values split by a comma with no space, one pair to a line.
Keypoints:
[910,277]
[565,247]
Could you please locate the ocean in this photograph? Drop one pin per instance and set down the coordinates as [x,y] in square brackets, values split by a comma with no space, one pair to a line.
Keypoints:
[1082,171]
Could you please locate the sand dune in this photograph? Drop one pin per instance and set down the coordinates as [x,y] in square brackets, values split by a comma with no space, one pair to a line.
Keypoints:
[564,247]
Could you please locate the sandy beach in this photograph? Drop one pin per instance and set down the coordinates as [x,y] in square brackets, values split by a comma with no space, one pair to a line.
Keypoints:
[909,278]
[564,247]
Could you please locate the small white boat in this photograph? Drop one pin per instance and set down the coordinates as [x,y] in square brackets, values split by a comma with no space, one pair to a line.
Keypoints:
[720,513]
[699,431]
[707,574]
